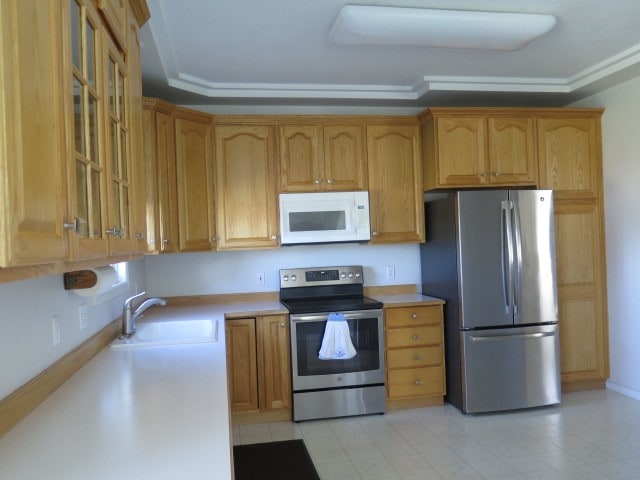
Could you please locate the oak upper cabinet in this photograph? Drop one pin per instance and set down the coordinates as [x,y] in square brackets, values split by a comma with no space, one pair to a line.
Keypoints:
[194,168]
[138,208]
[33,133]
[246,194]
[114,13]
[87,160]
[259,365]
[395,184]
[160,165]
[571,164]
[569,159]
[479,150]
[322,158]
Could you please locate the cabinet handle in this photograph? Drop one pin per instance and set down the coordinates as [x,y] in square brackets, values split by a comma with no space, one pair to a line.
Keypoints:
[416,357]
[274,237]
[414,316]
[329,181]
[483,174]
[415,337]
[116,232]
[374,234]
[418,382]
[71,225]
[140,235]
[316,181]
[496,174]
[165,240]
[282,324]
[214,239]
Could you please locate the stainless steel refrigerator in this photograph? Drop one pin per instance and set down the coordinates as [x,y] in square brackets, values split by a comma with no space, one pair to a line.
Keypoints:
[490,255]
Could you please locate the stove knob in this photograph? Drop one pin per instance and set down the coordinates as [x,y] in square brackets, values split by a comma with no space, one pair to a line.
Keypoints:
[357,274]
[285,278]
[350,274]
[343,275]
[294,278]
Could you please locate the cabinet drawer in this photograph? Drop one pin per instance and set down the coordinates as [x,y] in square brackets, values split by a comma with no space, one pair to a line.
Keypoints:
[414,357]
[414,336]
[405,316]
[415,381]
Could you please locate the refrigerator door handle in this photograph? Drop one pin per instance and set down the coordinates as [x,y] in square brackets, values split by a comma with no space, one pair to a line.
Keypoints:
[507,256]
[497,338]
[517,246]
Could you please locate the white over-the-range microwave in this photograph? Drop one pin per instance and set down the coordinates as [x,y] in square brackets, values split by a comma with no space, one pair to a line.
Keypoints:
[325,217]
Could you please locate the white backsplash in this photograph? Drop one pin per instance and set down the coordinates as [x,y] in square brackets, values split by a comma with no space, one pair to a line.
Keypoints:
[238,271]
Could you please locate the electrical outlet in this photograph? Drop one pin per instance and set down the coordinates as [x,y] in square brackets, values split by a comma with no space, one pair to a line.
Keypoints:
[391,272]
[55,327]
[83,316]
[260,278]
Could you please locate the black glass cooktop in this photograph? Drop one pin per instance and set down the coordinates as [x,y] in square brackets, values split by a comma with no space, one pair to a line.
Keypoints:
[344,304]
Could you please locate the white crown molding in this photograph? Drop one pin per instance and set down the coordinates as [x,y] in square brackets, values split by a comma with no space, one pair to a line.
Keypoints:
[184,81]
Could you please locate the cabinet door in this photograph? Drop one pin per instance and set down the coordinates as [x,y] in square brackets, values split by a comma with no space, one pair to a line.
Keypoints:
[345,165]
[395,184]
[88,161]
[115,14]
[246,193]
[581,290]
[32,133]
[461,156]
[167,195]
[152,213]
[301,167]
[241,365]
[194,164]
[568,155]
[274,371]
[119,164]
[512,156]
[138,210]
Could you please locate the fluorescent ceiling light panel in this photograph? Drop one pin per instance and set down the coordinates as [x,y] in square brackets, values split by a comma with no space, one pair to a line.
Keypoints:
[422,27]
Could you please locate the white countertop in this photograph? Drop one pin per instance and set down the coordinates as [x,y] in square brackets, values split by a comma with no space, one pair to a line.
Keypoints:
[140,413]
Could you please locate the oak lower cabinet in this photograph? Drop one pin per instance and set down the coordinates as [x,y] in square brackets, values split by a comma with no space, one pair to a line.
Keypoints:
[322,158]
[478,148]
[246,194]
[259,368]
[414,356]
[395,184]
[569,147]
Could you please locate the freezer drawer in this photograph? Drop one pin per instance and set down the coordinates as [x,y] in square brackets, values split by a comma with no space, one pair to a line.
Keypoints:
[505,369]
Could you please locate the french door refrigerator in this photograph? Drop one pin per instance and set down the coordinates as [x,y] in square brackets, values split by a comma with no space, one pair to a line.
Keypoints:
[490,255]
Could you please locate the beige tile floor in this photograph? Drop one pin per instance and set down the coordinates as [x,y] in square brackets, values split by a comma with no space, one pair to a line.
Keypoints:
[593,435]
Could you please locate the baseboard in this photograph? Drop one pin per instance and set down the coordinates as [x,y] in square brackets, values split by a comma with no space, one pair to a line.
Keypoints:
[627,392]
[414,402]
[260,417]
[26,398]
[580,385]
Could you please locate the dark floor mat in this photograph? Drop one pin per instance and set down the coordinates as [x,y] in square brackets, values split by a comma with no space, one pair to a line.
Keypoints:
[287,460]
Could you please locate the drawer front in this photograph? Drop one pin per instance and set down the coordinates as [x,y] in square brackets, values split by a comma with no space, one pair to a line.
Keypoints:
[415,381]
[406,316]
[414,357]
[414,336]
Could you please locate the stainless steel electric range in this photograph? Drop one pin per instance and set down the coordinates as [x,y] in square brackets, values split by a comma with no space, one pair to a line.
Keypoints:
[334,387]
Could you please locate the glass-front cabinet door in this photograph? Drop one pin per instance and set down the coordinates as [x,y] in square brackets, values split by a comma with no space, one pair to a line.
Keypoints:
[119,228]
[87,172]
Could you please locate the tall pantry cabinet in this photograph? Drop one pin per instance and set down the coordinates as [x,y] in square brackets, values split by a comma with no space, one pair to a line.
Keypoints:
[70,191]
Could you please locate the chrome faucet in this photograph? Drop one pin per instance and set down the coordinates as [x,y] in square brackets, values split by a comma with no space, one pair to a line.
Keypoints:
[129,316]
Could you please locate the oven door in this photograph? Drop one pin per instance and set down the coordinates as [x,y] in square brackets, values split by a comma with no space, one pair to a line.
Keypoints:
[366,367]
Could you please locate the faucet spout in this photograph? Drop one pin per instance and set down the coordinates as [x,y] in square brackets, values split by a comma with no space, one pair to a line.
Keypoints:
[129,316]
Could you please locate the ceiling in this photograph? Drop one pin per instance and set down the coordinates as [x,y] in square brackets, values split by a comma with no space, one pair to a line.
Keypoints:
[256,53]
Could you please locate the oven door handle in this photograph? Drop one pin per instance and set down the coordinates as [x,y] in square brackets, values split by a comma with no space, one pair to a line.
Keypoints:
[301,318]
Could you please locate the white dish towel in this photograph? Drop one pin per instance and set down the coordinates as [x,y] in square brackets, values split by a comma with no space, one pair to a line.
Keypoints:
[336,343]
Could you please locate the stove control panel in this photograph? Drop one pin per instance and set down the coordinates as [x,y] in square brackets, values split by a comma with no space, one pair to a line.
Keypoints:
[317,276]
